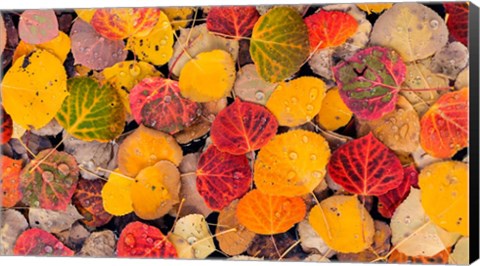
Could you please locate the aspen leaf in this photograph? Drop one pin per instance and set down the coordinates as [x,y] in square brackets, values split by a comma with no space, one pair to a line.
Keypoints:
[450,60]
[296,102]
[58,46]
[155,190]
[13,223]
[116,194]
[139,240]
[444,195]
[92,112]
[400,258]
[462,80]
[145,147]
[38,26]
[184,249]
[7,127]
[208,77]
[156,47]
[268,215]
[179,16]
[121,23]
[85,14]
[10,181]
[291,164]
[444,127]
[197,40]
[36,242]
[88,200]
[28,103]
[333,112]
[195,230]
[279,45]
[343,224]
[235,21]
[249,86]
[53,221]
[412,29]
[272,247]
[374,8]
[457,22]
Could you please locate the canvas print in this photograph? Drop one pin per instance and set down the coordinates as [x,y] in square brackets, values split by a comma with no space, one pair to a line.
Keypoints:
[320,133]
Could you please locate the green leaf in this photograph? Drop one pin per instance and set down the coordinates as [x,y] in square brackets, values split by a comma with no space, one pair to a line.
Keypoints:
[279,44]
[92,112]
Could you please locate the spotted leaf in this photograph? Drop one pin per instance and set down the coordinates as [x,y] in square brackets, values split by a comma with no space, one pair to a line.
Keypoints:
[88,200]
[10,181]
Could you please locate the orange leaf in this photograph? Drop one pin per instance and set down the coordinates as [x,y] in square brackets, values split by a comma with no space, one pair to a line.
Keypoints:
[268,215]
[330,28]
[444,128]
[10,181]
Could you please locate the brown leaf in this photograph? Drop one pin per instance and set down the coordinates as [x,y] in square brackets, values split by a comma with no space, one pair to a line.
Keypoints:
[272,247]
[99,244]
[12,224]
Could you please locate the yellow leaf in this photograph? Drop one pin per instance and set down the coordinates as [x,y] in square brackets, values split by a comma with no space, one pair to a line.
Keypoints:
[298,101]
[125,75]
[338,220]
[334,114]
[291,164]
[155,190]
[116,194]
[34,88]
[18,131]
[145,147]
[444,187]
[194,229]
[374,8]
[179,16]
[59,47]
[208,77]
[184,250]
[156,47]
[85,14]
[461,254]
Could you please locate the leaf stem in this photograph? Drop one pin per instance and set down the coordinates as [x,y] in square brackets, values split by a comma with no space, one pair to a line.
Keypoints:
[113,172]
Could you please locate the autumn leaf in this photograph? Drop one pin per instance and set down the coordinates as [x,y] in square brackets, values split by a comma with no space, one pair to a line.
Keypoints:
[179,17]
[36,242]
[121,23]
[38,26]
[370,80]
[88,199]
[366,167]
[85,14]
[92,112]
[268,215]
[49,180]
[92,50]
[327,29]
[400,258]
[156,47]
[243,127]
[233,21]
[157,103]
[277,57]
[297,101]
[343,223]
[13,223]
[10,181]
[413,30]
[461,252]
[444,195]
[139,240]
[194,229]
[155,190]
[222,177]
[457,21]
[115,194]
[28,103]
[333,112]
[444,127]
[249,86]
[374,8]
[207,77]
[145,147]
[388,202]
[53,221]
[7,127]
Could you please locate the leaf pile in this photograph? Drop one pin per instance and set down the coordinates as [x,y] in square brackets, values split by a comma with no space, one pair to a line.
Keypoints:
[302,133]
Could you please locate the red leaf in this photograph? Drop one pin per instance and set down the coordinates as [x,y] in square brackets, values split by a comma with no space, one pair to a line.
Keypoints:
[88,200]
[222,177]
[243,127]
[388,202]
[157,103]
[143,241]
[235,21]
[365,166]
[51,183]
[10,181]
[36,242]
[457,22]
[444,127]
[121,23]
[7,127]
[92,50]
[370,80]
[330,28]
[38,26]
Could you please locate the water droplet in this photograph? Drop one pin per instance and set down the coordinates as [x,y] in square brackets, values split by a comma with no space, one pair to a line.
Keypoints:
[434,24]
[48,176]
[278,215]
[394,128]
[191,240]
[293,155]
[313,157]
[135,70]
[48,249]
[59,245]
[165,24]
[163,42]
[305,139]
[259,95]
[317,174]
[130,240]
[64,169]
[36,203]
[167,99]
[122,74]
[86,203]
[237,175]
[291,175]
[313,94]
[309,107]
[294,100]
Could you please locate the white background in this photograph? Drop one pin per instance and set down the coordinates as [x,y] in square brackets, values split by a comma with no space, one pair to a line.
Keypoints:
[32,4]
